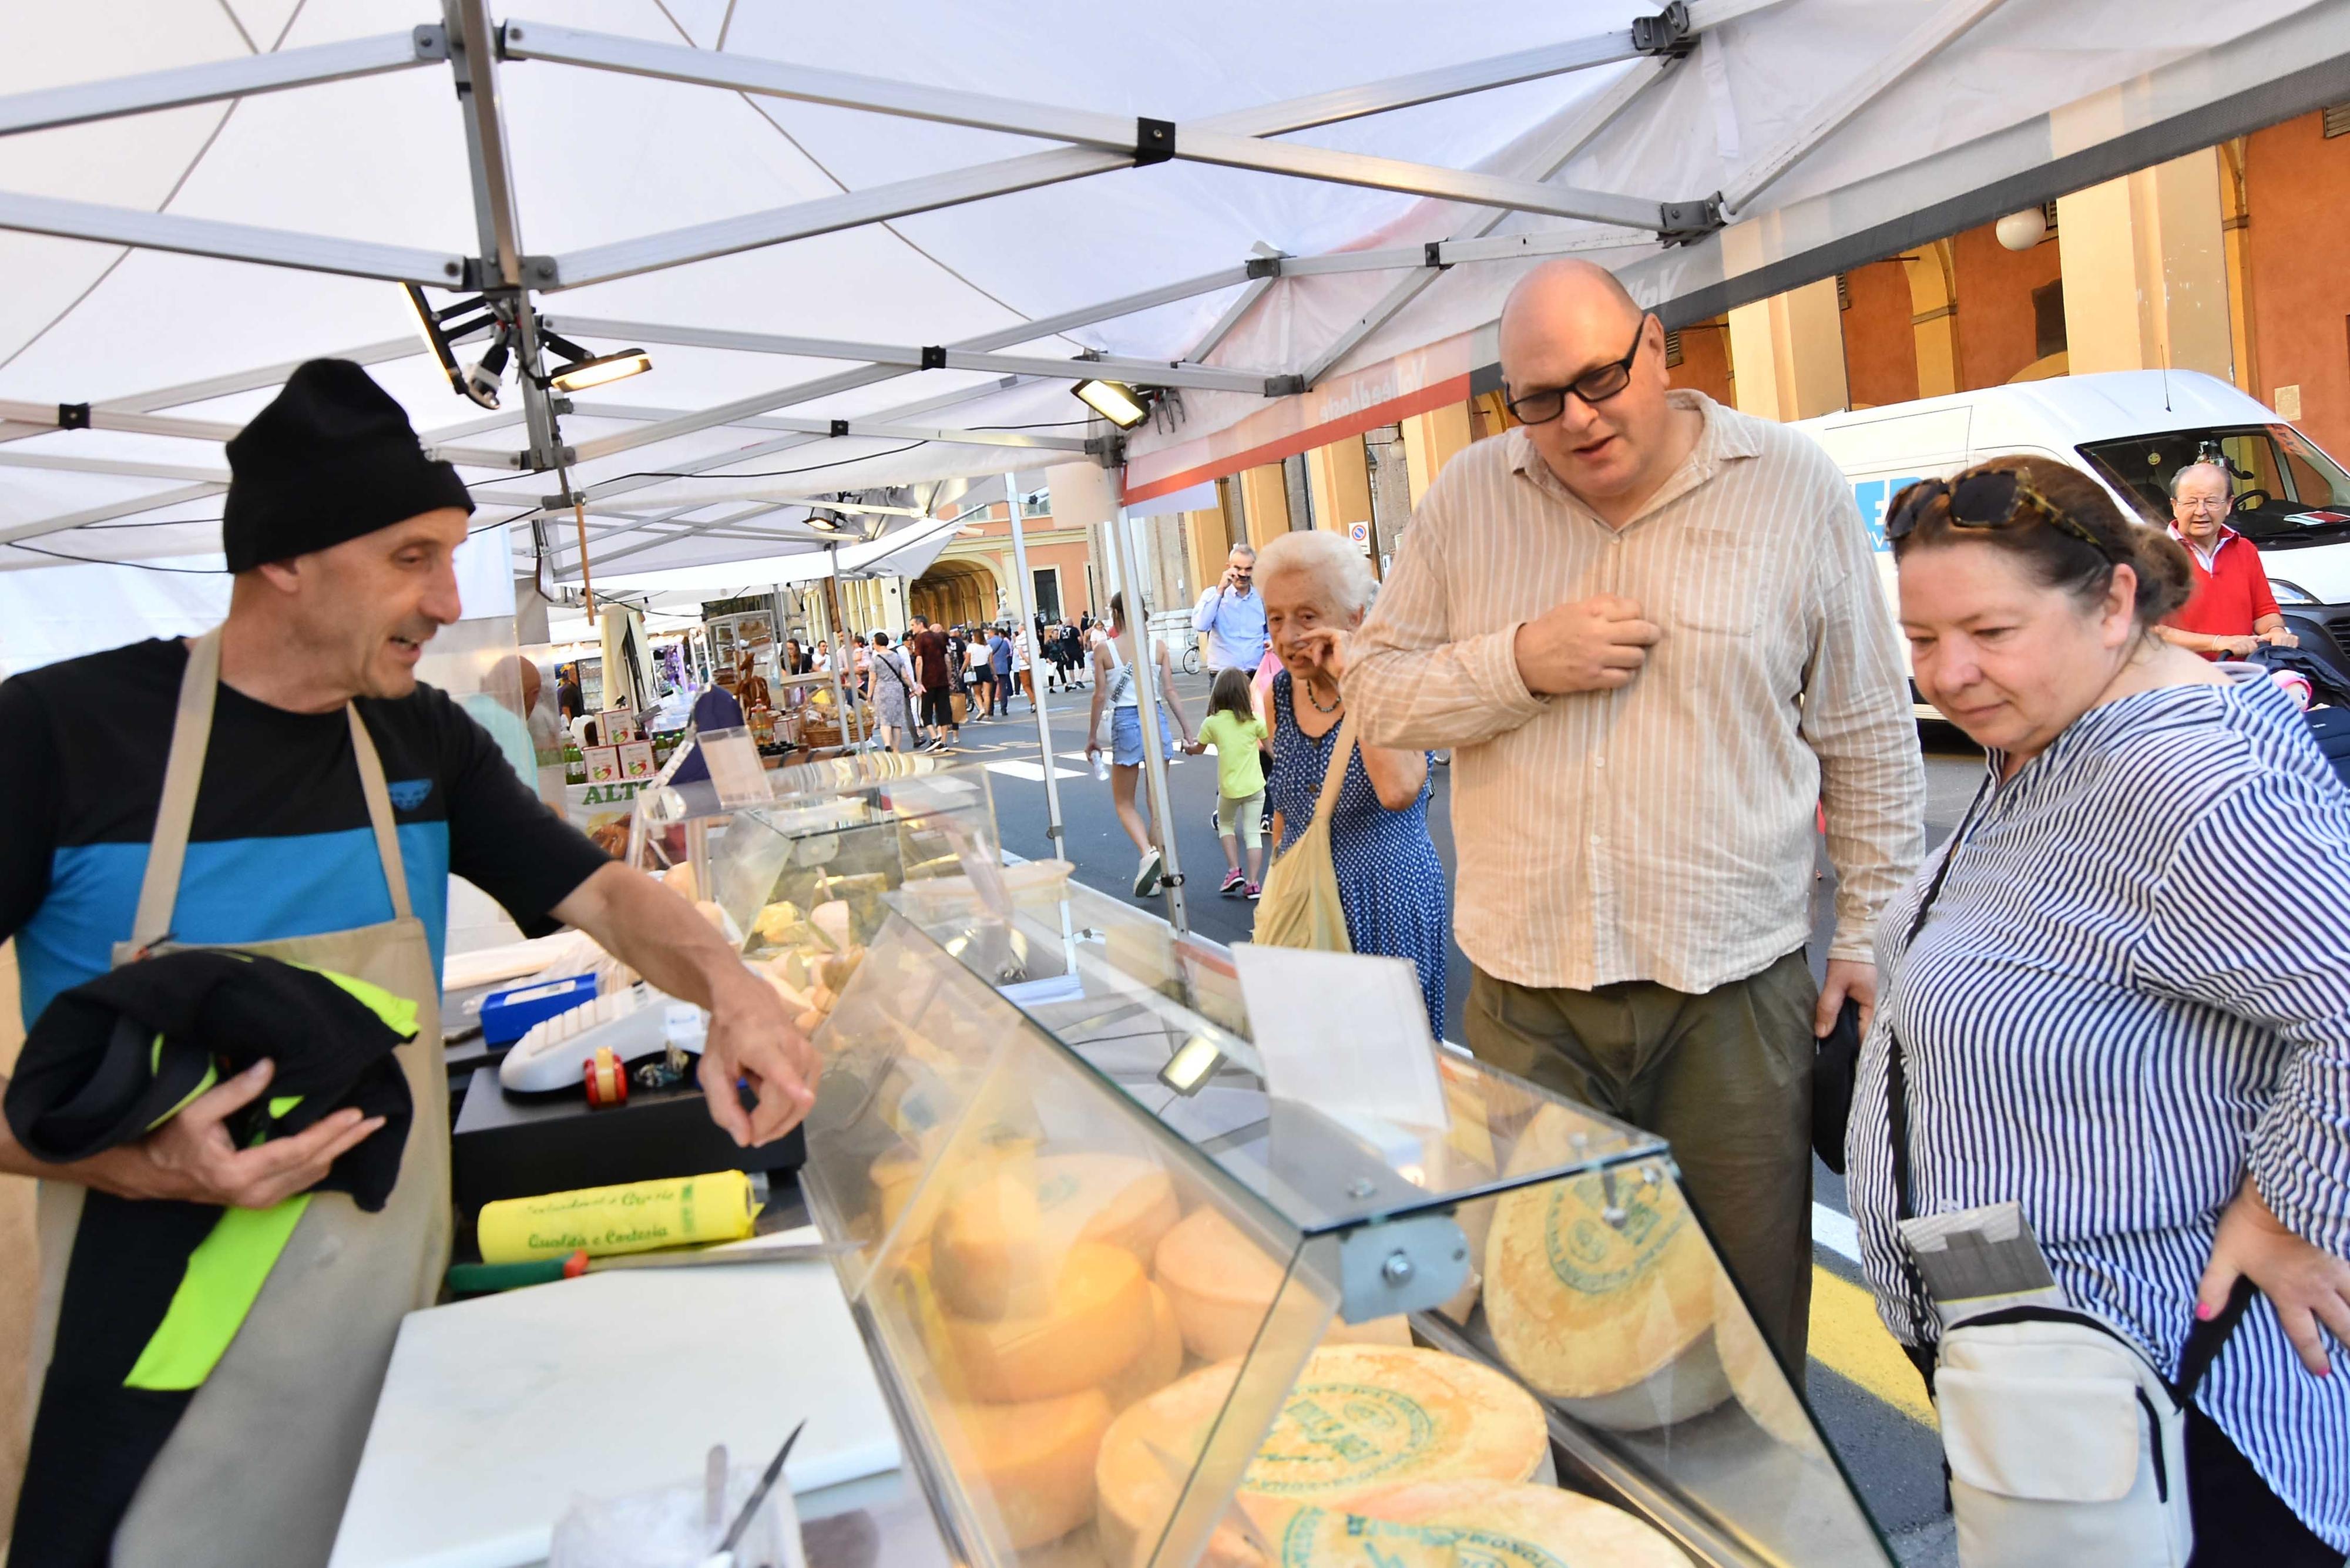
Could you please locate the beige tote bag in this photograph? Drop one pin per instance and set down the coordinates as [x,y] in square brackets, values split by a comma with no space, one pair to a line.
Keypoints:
[1300,907]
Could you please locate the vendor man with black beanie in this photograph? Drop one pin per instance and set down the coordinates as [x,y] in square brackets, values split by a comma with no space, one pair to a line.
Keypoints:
[284,785]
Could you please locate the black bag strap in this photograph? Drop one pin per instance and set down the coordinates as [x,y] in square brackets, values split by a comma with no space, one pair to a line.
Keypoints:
[1896,1084]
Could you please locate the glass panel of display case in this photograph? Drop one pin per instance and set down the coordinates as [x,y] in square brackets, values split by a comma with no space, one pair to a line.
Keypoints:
[1086,1331]
[1593,1294]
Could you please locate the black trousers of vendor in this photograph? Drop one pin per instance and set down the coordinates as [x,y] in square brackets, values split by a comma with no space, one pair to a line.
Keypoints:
[1723,1075]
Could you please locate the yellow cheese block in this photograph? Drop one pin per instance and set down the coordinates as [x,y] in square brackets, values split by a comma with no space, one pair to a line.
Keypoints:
[1096,1322]
[999,1238]
[1161,1363]
[1493,1524]
[1609,1316]
[1031,1463]
[1222,1285]
[1362,1419]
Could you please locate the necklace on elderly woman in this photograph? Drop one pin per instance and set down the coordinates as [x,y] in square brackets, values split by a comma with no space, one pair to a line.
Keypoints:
[1317,701]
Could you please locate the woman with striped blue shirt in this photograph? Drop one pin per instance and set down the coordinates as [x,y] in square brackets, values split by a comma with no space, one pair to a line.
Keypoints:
[2101,1018]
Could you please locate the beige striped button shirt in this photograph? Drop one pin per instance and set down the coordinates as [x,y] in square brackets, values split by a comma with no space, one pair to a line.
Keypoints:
[1663,831]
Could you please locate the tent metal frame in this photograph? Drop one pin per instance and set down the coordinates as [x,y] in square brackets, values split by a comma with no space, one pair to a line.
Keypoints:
[474,47]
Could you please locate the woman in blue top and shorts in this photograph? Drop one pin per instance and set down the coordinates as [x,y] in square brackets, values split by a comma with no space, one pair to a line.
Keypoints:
[1117,691]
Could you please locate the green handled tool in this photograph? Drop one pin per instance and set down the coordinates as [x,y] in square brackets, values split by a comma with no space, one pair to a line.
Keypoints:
[480,1279]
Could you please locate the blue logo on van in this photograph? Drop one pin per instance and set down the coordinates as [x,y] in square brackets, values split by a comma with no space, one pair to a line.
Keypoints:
[407,795]
[1871,496]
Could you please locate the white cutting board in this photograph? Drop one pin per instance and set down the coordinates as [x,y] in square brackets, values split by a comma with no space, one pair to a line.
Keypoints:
[497,1411]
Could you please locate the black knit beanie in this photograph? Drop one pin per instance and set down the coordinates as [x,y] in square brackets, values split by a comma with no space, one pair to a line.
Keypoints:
[331,458]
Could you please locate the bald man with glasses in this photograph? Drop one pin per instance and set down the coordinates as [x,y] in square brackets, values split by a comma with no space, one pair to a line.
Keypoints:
[1650,627]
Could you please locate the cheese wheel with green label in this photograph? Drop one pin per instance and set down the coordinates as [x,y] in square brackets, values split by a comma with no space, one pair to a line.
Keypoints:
[1000,1237]
[1493,1524]
[1032,1462]
[1097,1321]
[1599,1291]
[1361,1418]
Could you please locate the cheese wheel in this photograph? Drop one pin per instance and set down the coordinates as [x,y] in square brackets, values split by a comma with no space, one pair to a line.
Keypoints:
[1096,1322]
[1361,1418]
[1032,1462]
[1610,1318]
[893,1174]
[1161,1363]
[999,1238]
[1444,1523]
[1220,1282]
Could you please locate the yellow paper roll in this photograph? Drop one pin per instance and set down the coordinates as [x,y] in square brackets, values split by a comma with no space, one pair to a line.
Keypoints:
[635,1216]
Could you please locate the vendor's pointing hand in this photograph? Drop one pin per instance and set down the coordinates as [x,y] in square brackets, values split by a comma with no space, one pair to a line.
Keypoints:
[193,1159]
[752,1040]
[1595,645]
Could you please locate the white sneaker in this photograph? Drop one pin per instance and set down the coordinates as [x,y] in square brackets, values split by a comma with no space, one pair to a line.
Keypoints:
[1145,876]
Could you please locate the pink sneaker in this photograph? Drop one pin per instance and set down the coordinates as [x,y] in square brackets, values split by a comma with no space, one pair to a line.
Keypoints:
[1252,891]
[1234,883]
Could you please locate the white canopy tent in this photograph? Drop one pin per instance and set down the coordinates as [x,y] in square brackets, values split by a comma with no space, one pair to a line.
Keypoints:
[864,246]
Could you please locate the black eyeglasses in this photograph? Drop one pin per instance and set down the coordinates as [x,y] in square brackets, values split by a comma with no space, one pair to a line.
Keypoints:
[2002,498]
[1594,386]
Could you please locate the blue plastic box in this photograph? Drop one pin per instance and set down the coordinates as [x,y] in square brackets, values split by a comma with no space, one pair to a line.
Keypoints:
[508,1016]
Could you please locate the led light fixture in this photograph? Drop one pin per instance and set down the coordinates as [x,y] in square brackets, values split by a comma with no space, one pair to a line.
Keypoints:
[439,329]
[1190,1065]
[481,382]
[582,374]
[1113,401]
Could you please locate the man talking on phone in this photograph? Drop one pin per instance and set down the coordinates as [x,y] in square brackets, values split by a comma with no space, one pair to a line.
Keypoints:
[1233,616]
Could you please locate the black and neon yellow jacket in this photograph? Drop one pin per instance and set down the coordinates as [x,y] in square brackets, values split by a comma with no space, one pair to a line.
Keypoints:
[155,1290]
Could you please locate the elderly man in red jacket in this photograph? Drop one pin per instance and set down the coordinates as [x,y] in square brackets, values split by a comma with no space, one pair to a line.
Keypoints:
[2232,611]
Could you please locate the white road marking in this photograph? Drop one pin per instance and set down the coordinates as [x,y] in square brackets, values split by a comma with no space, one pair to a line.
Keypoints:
[1835,1231]
[1031,773]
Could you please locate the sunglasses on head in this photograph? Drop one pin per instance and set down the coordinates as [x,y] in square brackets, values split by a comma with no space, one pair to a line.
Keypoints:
[2002,498]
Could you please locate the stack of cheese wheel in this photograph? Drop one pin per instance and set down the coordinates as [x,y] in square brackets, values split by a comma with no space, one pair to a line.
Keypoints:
[1443,1524]
[1222,1286]
[1362,1419]
[1599,1289]
[1046,1324]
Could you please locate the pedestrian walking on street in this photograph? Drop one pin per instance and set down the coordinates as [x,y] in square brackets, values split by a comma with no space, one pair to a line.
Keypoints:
[1114,726]
[1637,771]
[1238,735]
[934,679]
[1391,881]
[980,672]
[893,695]
[999,669]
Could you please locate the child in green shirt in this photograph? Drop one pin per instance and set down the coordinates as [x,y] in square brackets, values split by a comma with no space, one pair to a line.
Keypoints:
[1232,726]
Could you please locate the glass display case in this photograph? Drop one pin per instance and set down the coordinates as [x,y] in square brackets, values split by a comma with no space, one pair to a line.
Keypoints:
[1130,1309]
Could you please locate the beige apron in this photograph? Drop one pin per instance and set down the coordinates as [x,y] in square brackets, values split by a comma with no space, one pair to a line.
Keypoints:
[257,1470]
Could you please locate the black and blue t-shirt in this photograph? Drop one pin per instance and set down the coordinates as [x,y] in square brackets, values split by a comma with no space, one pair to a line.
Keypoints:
[280,846]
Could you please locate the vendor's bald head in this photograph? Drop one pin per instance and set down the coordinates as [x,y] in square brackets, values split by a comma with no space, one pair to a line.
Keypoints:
[1565,320]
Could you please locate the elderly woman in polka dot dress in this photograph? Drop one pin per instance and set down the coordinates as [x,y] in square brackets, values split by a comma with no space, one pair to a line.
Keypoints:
[1315,587]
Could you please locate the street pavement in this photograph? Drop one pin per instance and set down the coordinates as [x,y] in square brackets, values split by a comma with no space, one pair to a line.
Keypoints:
[1867,1397]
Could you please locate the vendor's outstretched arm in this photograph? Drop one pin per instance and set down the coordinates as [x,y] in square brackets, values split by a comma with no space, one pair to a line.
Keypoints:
[752,1038]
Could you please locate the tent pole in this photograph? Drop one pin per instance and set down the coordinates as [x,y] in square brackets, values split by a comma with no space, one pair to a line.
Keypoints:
[1027,608]
[1140,654]
[842,660]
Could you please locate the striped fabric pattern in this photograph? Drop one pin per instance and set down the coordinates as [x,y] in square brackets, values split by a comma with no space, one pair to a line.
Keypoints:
[2105,1020]
[1664,831]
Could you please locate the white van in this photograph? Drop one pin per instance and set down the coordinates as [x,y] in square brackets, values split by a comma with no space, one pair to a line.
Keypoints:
[2132,429]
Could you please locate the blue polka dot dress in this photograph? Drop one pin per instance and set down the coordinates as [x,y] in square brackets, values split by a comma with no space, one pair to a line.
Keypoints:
[1389,880]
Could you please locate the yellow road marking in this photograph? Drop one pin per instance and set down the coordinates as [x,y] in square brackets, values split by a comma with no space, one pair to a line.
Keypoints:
[1849,1339]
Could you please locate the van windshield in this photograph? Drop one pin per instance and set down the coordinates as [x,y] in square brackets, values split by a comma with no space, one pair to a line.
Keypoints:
[2287,491]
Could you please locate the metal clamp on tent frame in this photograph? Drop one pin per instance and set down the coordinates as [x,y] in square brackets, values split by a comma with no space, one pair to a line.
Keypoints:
[1666,35]
[1154,140]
